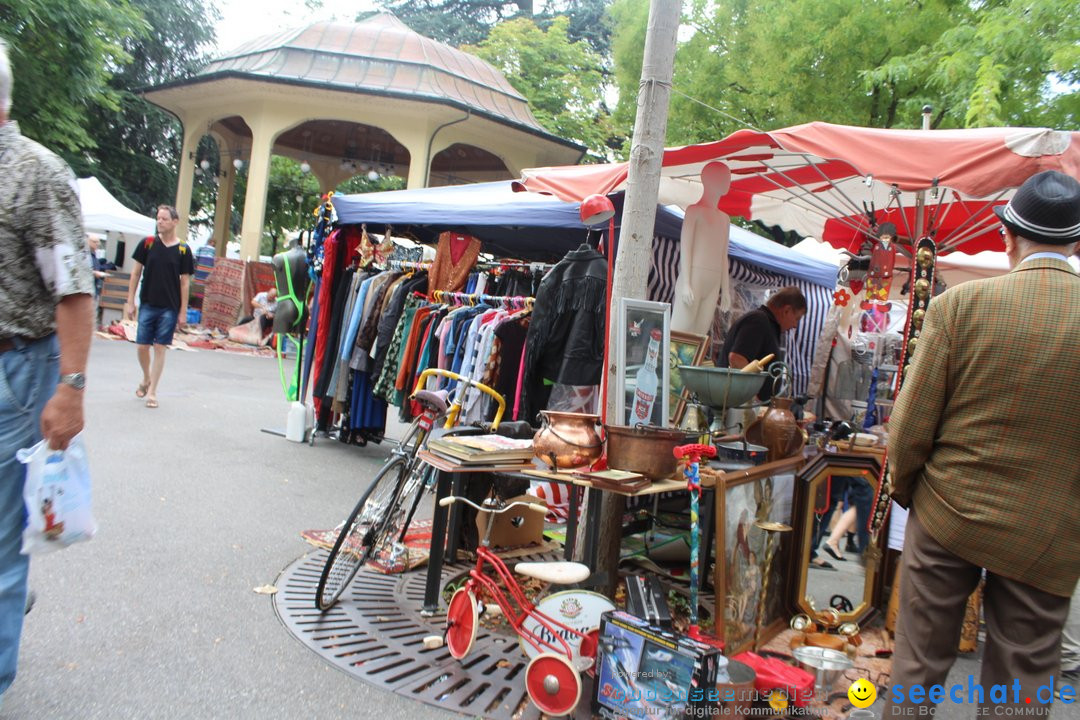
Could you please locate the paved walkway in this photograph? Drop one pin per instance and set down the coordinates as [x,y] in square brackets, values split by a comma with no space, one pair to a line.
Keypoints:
[156,618]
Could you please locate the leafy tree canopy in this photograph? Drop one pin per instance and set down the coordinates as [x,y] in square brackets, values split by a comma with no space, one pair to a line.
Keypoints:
[776,63]
[63,53]
[138,144]
[456,22]
[559,77]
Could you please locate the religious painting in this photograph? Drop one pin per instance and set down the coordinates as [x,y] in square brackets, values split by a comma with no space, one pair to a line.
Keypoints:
[746,561]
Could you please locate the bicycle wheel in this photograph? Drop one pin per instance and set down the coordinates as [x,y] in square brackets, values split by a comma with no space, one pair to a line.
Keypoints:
[353,545]
[553,684]
[387,540]
[461,623]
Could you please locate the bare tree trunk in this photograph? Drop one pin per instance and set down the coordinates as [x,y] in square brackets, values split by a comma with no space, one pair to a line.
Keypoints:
[639,216]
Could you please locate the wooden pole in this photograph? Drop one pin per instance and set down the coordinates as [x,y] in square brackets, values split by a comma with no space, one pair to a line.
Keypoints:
[639,216]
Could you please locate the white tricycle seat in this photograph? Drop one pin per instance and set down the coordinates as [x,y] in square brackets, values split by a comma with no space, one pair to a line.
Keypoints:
[556,573]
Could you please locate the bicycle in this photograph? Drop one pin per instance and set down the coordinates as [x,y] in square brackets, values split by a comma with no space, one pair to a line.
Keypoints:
[377,525]
[553,677]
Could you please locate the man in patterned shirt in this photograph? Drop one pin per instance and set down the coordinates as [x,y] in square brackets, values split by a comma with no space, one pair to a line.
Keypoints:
[46,306]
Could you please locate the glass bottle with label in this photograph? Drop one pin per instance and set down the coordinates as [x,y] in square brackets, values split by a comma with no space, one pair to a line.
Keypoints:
[647,383]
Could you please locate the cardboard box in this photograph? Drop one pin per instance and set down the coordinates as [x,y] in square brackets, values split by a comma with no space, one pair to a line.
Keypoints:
[645,671]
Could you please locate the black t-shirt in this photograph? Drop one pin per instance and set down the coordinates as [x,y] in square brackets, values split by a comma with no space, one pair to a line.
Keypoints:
[162,267]
[754,335]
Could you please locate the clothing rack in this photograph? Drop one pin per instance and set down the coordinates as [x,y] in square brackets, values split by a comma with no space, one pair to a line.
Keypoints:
[458,298]
[513,264]
[408,265]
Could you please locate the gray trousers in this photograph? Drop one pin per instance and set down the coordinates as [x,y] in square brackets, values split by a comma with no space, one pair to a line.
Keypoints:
[1070,637]
[1023,627]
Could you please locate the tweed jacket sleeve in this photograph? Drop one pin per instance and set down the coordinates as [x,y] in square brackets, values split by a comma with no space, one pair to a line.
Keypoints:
[916,419]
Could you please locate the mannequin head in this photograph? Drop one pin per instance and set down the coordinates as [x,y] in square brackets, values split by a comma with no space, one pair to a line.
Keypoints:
[715,181]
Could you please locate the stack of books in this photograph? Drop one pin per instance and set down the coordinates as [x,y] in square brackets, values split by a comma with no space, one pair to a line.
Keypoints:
[618,480]
[483,450]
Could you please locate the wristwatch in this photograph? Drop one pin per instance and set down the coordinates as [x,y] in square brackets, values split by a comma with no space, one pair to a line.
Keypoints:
[76,380]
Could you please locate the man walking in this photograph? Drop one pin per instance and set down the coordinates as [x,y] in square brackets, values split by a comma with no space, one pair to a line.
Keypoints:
[166,266]
[985,448]
[46,304]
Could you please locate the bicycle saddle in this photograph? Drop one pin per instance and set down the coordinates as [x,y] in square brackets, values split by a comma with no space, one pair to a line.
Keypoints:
[556,573]
[436,400]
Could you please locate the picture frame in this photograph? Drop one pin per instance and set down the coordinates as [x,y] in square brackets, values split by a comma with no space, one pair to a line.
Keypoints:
[764,492]
[636,321]
[684,349]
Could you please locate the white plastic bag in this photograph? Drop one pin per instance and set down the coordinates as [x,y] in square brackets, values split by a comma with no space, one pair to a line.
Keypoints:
[57,497]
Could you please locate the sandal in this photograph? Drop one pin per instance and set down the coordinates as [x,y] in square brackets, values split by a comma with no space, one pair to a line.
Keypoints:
[140,392]
[151,402]
[823,565]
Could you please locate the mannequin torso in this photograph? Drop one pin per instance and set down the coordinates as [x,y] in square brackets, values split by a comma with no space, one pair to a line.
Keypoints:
[703,265]
[291,276]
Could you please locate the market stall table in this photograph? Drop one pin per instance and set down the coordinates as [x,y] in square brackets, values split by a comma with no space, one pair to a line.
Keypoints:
[443,521]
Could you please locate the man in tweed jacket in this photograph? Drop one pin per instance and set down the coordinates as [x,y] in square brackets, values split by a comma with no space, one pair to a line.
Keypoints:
[984,446]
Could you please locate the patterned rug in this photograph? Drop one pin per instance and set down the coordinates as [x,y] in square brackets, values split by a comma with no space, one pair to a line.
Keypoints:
[417,547]
[224,294]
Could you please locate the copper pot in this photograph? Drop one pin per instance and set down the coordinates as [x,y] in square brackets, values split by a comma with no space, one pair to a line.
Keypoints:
[644,449]
[567,440]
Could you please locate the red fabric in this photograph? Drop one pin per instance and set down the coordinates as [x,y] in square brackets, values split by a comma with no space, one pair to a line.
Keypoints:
[811,178]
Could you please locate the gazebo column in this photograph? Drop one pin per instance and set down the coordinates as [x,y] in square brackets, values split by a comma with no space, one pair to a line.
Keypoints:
[187,176]
[223,209]
[258,178]
[416,142]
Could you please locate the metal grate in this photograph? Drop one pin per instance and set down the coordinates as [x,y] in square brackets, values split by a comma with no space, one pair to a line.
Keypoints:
[375,633]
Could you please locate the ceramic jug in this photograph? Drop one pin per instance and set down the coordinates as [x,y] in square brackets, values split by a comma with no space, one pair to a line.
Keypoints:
[777,430]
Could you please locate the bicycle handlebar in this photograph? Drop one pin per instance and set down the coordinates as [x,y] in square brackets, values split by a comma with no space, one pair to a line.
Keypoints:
[451,499]
[468,382]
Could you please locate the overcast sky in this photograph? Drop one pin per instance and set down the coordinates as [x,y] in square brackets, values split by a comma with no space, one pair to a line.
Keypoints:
[243,20]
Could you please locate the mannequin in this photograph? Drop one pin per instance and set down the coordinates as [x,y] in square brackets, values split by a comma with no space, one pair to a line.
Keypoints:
[291,276]
[703,265]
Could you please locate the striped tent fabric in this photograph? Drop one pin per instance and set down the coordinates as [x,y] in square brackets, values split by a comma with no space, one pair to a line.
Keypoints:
[799,345]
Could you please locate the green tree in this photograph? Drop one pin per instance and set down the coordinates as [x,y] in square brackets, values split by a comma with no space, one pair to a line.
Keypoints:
[137,144]
[560,78]
[456,22]
[1000,63]
[776,63]
[63,53]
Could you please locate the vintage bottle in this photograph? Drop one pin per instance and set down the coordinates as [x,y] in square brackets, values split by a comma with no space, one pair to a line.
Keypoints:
[647,383]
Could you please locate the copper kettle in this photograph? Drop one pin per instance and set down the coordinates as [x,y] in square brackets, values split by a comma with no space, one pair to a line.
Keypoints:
[567,440]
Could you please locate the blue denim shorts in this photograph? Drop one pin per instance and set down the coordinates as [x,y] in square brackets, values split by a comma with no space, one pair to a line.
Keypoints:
[156,325]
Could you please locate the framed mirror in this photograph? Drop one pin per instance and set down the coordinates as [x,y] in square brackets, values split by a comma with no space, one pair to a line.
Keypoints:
[834,500]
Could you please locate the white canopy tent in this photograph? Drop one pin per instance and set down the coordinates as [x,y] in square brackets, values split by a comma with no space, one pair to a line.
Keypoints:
[105,215]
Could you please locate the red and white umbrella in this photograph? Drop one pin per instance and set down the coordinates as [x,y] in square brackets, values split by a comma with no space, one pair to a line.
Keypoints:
[833,182]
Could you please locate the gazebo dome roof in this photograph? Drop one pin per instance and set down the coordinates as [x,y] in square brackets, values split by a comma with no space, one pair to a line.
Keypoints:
[379,55]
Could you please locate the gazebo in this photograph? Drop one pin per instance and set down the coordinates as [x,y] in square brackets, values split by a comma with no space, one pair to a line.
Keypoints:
[349,98]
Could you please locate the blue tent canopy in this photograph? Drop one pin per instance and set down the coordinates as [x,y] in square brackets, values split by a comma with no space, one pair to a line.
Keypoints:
[532,226]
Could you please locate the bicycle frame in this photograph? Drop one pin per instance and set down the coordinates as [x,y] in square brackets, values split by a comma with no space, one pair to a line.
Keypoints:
[455,407]
[525,608]
[423,431]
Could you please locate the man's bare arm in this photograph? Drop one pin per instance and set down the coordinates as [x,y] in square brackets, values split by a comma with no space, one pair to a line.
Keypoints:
[62,418]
